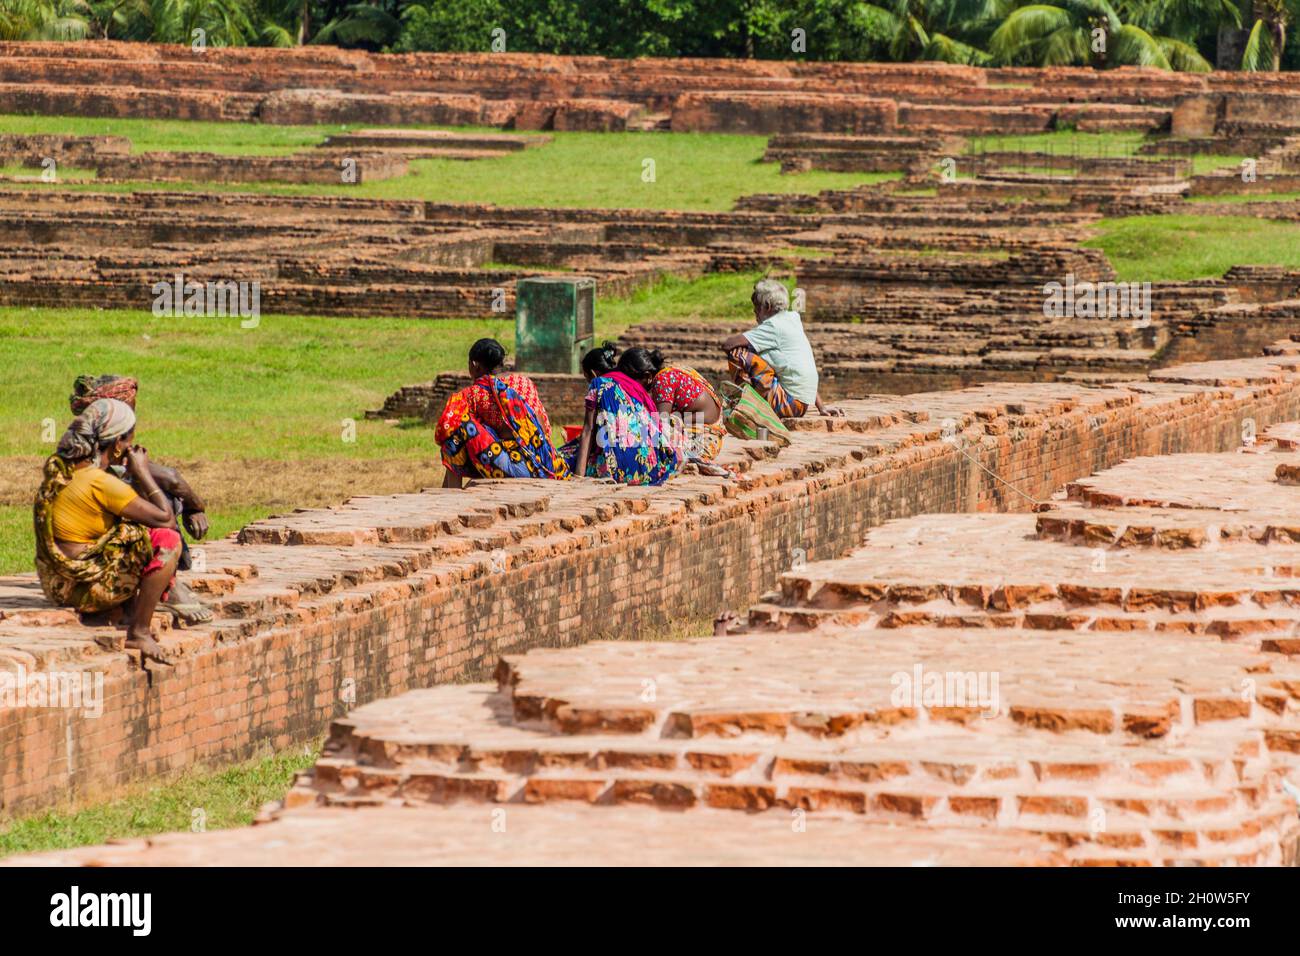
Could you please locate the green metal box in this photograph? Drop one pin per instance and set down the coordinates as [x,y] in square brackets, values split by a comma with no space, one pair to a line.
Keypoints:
[554,323]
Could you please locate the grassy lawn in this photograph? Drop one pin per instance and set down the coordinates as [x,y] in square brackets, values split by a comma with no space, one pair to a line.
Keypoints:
[1248,198]
[1154,248]
[701,171]
[1068,143]
[199,798]
[256,417]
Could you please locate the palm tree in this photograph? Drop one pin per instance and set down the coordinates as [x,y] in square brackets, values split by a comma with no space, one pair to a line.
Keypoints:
[936,29]
[1185,20]
[1267,37]
[364,25]
[1087,32]
[45,20]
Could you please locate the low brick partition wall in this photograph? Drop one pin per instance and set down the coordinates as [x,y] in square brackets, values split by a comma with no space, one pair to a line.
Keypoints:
[536,91]
[736,112]
[1112,681]
[84,151]
[1231,184]
[330,169]
[321,610]
[847,153]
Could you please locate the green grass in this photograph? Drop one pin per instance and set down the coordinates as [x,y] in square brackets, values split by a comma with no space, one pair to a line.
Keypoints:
[1062,143]
[1067,143]
[249,139]
[1155,248]
[256,416]
[720,296]
[1248,197]
[700,171]
[211,387]
[216,800]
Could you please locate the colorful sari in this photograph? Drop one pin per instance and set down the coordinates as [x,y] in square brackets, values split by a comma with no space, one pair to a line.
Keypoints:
[104,575]
[629,445]
[490,431]
[680,387]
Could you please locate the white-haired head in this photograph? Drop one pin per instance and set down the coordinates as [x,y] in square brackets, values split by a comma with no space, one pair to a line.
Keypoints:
[769,298]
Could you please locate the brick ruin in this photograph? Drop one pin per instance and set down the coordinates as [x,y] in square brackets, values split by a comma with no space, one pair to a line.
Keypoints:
[1030,487]
[928,282]
[903,289]
[342,159]
[322,609]
[903,292]
[531,91]
[1095,746]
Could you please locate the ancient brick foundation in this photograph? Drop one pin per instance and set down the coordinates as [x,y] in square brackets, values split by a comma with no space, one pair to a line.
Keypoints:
[1110,681]
[321,610]
[529,91]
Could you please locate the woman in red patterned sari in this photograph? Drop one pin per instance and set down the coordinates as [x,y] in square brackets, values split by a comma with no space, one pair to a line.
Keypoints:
[687,403]
[497,427]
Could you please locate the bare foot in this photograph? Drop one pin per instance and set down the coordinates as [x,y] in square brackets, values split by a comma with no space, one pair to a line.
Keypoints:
[722,622]
[149,648]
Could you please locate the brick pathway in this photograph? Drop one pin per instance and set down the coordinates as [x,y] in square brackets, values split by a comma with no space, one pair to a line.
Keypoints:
[903,704]
[322,610]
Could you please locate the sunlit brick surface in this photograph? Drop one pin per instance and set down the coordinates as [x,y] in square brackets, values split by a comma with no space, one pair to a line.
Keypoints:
[963,677]
[319,611]
[1117,751]
[561,835]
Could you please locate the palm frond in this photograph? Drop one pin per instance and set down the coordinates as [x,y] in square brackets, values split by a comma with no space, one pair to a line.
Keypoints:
[947,50]
[360,23]
[1133,46]
[1183,57]
[1258,53]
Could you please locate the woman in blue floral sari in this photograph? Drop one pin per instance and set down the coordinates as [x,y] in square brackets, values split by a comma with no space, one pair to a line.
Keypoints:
[621,436]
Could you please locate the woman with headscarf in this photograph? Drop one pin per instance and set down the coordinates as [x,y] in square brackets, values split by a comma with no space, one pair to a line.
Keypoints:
[99,544]
[621,435]
[497,427]
[180,602]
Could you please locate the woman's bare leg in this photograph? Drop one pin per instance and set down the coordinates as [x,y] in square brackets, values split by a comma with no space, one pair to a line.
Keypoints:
[139,634]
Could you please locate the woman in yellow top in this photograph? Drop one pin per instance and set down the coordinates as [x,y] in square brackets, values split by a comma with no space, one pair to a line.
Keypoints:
[99,544]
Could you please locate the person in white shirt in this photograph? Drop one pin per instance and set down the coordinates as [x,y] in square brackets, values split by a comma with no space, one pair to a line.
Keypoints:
[775,357]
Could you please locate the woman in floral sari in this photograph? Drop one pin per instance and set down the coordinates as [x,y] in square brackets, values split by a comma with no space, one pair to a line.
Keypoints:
[621,436]
[686,399]
[497,427]
[99,543]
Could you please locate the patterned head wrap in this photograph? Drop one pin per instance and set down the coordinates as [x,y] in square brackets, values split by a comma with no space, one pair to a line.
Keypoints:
[102,421]
[90,388]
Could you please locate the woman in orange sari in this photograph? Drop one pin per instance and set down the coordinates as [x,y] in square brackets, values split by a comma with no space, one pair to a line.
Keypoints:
[497,427]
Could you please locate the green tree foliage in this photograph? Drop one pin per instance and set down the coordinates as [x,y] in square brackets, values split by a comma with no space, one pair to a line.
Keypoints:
[1168,34]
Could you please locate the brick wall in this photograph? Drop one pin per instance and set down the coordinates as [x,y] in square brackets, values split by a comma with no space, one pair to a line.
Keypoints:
[634,560]
[533,91]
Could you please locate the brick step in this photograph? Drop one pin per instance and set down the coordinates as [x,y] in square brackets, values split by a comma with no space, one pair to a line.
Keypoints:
[1177,821]
[956,758]
[1164,528]
[1271,633]
[1181,796]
